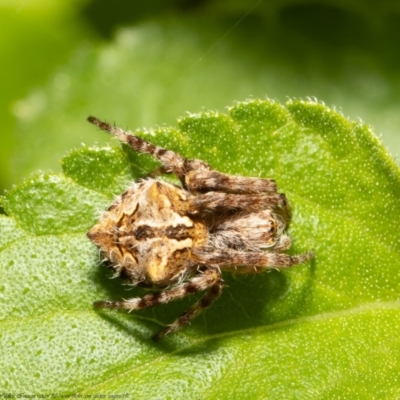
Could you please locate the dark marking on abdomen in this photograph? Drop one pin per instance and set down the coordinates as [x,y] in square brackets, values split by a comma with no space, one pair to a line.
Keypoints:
[143,232]
[178,232]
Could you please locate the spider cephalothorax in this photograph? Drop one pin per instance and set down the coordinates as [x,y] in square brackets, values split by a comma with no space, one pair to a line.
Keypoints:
[178,239]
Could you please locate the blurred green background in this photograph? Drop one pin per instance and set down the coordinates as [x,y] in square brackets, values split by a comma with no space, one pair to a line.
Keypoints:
[145,63]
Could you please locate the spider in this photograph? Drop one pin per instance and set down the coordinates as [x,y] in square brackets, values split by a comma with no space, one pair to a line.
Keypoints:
[177,240]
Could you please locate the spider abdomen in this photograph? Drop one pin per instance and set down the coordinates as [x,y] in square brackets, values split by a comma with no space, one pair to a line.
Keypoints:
[147,234]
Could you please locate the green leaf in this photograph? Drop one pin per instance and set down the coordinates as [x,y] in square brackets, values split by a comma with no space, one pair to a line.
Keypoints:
[322,330]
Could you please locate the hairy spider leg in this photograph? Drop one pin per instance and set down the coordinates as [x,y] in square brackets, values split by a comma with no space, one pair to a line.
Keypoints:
[208,279]
[216,285]
[214,180]
[258,191]
[172,162]
[196,174]
[265,260]
[248,202]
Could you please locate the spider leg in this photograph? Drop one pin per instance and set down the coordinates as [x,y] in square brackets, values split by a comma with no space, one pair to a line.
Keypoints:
[172,162]
[249,202]
[260,260]
[209,279]
[215,288]
[204,180]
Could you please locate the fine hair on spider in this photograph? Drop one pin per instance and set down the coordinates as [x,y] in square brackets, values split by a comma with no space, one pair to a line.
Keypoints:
[179,240]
